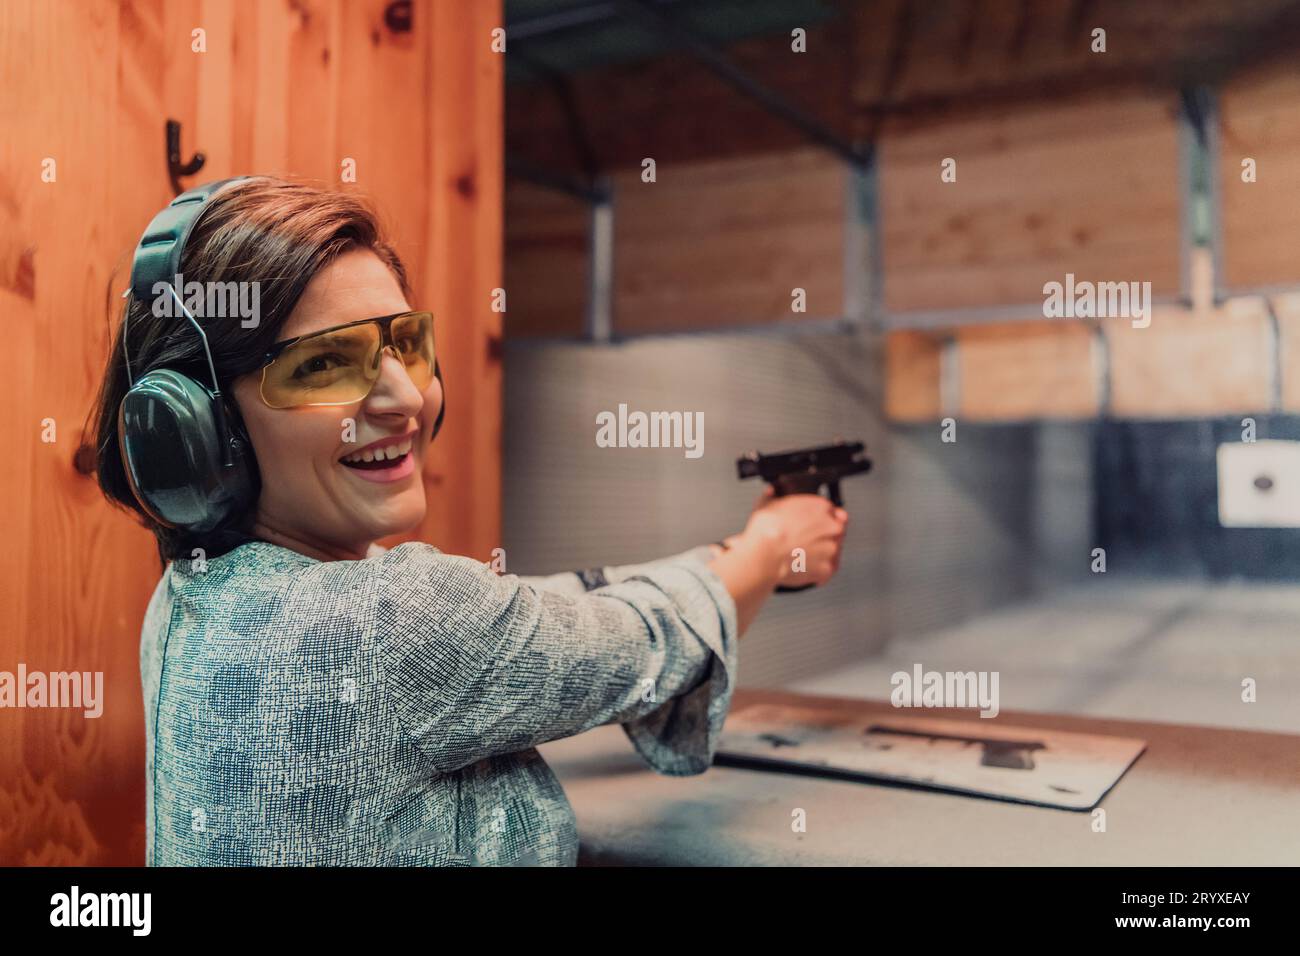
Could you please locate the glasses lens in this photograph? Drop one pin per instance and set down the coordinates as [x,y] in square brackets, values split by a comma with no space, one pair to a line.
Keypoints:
[333,368]
[413,337]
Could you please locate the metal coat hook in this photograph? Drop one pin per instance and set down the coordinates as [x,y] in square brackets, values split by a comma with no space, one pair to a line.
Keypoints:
[175,168]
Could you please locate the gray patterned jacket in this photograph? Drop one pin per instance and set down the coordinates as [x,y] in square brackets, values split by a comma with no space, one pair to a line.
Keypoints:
[386,711]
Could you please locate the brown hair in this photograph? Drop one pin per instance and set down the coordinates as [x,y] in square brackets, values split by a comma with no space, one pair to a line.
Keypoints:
[275,232]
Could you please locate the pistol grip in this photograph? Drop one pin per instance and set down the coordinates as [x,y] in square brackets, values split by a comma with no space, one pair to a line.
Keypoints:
[780,487]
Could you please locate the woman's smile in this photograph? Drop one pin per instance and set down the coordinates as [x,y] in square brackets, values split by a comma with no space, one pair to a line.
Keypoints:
[385,460]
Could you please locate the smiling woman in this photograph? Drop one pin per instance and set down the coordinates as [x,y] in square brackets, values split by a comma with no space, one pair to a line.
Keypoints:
[352,375]
[279,237]
[313,699]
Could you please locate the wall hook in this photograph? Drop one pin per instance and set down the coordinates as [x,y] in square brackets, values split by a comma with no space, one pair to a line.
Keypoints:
[175,168]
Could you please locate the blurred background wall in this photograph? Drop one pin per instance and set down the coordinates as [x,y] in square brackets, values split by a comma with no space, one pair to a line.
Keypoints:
[801,146]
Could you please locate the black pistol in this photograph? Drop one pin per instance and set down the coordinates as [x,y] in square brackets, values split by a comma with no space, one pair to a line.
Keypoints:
[807,471]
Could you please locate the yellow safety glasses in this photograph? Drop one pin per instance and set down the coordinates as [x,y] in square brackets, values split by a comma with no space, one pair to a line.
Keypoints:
[340,365]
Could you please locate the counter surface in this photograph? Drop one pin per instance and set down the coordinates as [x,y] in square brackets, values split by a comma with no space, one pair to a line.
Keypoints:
[1198,796]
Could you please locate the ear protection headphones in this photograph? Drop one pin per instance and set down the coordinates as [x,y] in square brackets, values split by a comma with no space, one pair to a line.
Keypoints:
[187,459]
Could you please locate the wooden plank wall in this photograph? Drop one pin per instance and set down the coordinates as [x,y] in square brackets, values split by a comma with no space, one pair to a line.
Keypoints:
[1261,219]
[1204,359]
[1088,186]
[548,245]
[1067,162]
[1202,362]
[1286,308]
[1085,186]
[707,245]
[1201,359]
[285,86]
[725,243]
[1020,370]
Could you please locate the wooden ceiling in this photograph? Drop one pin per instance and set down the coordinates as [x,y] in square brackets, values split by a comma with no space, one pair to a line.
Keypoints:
[872,66]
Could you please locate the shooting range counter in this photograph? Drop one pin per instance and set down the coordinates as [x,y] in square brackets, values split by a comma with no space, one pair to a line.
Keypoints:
[1198,796]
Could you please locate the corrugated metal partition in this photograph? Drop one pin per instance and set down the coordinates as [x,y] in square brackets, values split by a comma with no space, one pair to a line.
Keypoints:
[998,514]
[569,503]
[938,530]
[960,523]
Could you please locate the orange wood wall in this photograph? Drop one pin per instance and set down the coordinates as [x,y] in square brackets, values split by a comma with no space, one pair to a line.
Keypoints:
[285,86]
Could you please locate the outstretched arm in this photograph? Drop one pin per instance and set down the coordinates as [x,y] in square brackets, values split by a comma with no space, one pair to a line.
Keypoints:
[588,579]
[480,664]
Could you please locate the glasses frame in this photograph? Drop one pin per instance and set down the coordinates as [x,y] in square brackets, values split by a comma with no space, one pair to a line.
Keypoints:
[385,323]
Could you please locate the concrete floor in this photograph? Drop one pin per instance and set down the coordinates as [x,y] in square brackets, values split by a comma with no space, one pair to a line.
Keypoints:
[1157,650]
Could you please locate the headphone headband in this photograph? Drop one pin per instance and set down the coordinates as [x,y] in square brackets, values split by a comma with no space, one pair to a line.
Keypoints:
[158,256]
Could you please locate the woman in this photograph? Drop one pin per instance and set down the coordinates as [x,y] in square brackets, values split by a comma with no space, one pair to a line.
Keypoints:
[313,699]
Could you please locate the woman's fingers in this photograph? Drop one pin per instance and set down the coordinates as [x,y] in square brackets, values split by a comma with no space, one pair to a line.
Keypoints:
[807,523]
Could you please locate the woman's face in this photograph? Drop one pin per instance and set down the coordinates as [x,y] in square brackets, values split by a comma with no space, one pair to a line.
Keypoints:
[310,497]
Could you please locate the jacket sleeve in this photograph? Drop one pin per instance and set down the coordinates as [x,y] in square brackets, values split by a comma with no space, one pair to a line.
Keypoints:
[588,579]
[479,664]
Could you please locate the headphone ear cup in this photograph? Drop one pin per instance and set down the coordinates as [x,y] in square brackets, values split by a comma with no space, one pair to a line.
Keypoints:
[173,456]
